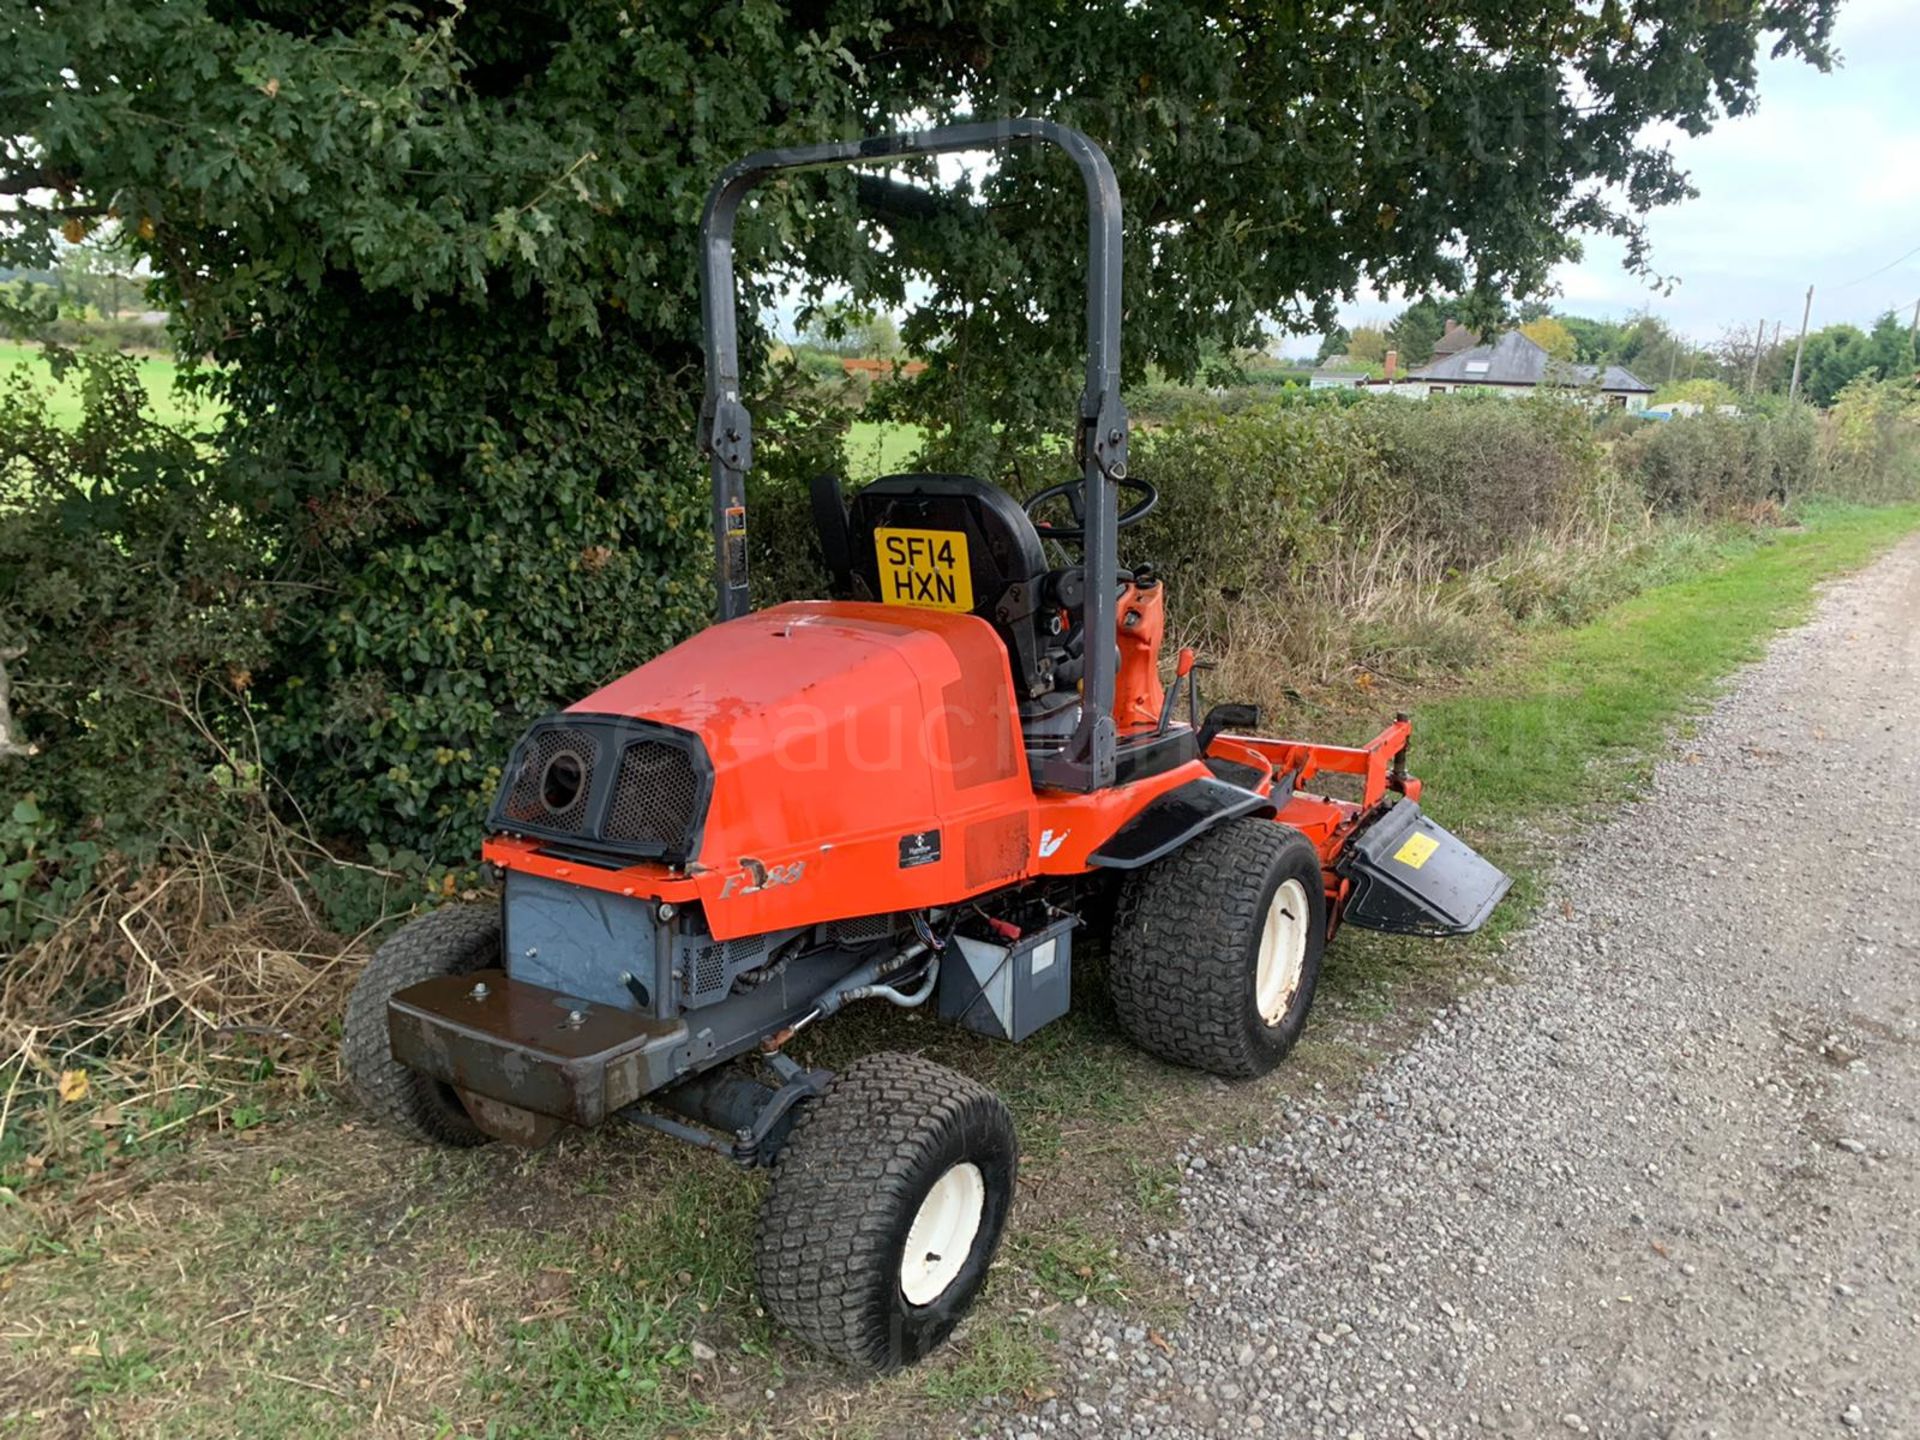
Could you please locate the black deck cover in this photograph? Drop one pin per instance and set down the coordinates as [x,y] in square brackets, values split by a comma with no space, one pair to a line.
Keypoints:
[1413,877]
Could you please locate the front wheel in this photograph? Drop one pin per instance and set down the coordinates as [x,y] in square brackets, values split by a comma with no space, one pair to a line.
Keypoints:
[1216,949]
[453,940]
[887,1205]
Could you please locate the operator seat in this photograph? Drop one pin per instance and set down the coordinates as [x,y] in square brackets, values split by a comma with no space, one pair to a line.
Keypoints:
[1006,568]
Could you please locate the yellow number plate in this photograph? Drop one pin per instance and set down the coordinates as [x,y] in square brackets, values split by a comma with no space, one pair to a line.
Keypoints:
[924,567]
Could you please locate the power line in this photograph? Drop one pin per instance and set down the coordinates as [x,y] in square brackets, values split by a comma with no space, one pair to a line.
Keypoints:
[1881,271]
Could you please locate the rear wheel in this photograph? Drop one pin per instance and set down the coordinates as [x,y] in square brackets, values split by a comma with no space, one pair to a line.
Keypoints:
[886,1208]
[1216,948]
[453,940]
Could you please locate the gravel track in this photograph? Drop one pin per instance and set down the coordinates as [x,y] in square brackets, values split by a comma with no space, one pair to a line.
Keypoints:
[1667,1183]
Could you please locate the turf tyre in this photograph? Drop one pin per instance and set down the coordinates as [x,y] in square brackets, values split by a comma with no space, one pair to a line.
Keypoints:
[865,1161]
[1184,965]
[453,940]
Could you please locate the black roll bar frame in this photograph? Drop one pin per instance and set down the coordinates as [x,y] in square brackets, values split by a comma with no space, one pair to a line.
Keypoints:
[1086,762]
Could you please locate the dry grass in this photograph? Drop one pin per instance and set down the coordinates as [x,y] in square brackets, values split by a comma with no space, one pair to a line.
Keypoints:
[1389,615]
[163,1003]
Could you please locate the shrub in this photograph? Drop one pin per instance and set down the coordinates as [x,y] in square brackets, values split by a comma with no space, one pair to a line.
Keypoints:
[135,609]
[1716,462]
[1315,532]
[483,526]
[1248,503]
[1869,443]
[1475,473]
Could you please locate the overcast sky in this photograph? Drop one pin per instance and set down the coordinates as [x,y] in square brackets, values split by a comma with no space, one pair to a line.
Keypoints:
[1819,186]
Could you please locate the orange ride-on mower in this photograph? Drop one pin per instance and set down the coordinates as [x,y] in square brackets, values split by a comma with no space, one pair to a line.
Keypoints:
[909,793]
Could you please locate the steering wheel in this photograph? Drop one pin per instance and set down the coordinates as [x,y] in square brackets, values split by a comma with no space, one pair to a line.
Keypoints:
[1070,491]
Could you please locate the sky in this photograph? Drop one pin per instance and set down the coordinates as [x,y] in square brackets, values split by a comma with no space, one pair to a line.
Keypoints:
[1820,186]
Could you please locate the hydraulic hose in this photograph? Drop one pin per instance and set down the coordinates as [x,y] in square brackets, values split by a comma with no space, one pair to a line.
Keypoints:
[892,996]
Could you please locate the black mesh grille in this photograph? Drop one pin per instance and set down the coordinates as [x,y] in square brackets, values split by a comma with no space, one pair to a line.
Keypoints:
[655,795]
[554,780]
[709,969]
[608,783]
[863,930]
[716,963]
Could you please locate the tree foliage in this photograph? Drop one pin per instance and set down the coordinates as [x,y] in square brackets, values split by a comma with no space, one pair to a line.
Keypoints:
[1837,355]
[1367,344]
[1551,336]
[1643,343]
[439,263]
[840,329]
[1418,328]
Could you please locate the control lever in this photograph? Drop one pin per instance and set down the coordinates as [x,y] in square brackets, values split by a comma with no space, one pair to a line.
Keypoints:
[1182,670]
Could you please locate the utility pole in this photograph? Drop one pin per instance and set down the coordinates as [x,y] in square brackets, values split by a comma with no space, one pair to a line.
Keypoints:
[1793,389]
[1759,344]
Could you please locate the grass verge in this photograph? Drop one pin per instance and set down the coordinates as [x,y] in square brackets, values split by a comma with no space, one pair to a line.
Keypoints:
[1570,720]
[306,1276]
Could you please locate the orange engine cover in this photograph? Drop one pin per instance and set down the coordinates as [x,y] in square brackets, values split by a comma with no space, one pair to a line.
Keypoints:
[866,758]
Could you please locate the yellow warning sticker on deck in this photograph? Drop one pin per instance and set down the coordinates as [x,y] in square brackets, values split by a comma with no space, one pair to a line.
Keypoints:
[924,567]
[1414,853]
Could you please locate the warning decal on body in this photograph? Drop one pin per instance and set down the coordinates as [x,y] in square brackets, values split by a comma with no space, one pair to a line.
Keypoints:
[1414,853]
[736,533]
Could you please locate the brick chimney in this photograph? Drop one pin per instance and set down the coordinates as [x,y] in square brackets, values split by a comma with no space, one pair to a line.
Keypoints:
[1393,363]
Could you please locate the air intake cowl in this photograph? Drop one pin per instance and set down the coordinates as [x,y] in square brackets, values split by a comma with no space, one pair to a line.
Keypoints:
[627,787]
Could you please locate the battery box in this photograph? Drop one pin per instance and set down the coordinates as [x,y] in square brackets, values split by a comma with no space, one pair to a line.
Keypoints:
[1008,990]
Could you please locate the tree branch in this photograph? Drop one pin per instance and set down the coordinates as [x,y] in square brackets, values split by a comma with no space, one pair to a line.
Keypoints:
[892,201]
[38,178]
[9,747]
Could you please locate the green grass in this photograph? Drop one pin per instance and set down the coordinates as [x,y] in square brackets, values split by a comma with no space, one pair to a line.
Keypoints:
[1003,1358]
[1074,1263]
[171,406]
[875,448]
[1572,719]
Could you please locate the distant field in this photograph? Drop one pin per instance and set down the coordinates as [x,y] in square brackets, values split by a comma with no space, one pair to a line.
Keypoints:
[63,400]
[875,449]
[872,449]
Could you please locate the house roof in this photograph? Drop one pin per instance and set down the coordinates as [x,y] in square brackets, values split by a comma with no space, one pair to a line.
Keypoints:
[1454,339]
[1618,377]
[1513,359]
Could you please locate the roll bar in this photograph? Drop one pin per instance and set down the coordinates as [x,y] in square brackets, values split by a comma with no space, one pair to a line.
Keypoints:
[1100,442]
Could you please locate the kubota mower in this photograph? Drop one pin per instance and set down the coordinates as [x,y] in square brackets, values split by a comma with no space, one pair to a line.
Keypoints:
[911,793]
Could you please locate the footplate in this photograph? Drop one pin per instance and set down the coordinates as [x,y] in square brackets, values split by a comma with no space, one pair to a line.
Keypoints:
[529,1047]
[1413,877]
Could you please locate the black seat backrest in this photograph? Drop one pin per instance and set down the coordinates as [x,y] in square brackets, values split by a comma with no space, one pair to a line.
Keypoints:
[901,520]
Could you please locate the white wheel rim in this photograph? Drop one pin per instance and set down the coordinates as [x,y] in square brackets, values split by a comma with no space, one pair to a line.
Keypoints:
[942,1234]
[1283,951]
